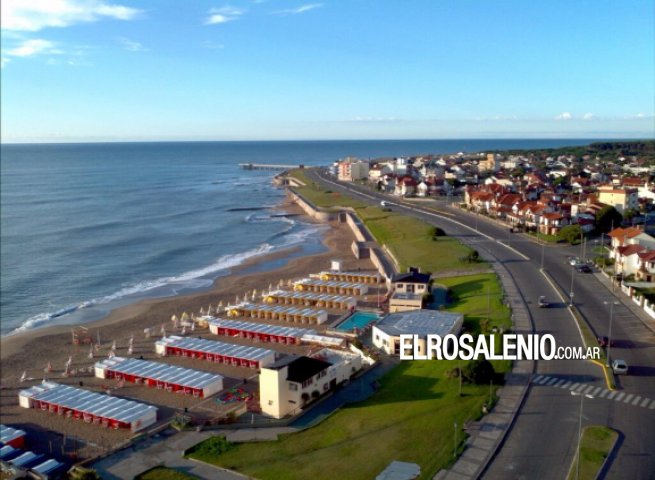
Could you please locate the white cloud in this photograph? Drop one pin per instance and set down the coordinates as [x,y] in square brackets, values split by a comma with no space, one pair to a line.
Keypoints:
[33,47]
[34,15]
[301,9]
[132,46]
[564,116]
[588,116]
[223,15]
[4,61]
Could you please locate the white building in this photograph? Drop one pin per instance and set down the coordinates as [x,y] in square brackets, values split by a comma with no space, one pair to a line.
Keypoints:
[351,169]
[289,384]
[386,333]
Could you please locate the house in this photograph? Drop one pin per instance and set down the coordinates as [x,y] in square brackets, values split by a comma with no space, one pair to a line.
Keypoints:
[352,169]
[620,198]
[404,301]
[552,222]
[630,236]
[413,281]
[405,186]
[627,259]
[377,171]
[386,333]
[490,164]
[289,384]
[646,266]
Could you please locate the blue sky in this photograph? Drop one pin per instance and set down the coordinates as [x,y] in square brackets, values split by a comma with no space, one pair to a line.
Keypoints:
[94,70]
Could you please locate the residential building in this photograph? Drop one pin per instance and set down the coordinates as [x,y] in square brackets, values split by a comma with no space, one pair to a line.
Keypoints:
[352,169]
[620,198]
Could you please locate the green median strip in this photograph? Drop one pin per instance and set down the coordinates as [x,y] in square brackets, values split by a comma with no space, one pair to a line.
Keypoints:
[164,473]
[596,445]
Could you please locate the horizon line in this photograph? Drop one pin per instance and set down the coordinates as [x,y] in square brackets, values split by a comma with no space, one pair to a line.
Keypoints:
[427,139]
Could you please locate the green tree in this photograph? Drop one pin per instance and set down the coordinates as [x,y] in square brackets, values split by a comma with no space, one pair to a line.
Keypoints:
[570,234]
[479,371]
[606,218]
[629,214]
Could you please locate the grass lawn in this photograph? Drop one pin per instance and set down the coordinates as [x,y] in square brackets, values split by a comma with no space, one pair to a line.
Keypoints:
[320,196]
[409,419]
[164,473]
[545,237]
[597,441]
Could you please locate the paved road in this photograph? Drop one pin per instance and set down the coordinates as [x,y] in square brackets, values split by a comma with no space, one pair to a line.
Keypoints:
[543,440]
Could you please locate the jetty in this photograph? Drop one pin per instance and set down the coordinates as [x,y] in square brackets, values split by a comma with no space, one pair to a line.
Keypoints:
[268,166]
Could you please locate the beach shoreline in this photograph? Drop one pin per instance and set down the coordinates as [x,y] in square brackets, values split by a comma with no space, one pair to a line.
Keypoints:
[15,342]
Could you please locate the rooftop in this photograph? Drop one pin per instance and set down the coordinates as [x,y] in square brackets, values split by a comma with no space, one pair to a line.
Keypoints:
[299,368]
[421,322]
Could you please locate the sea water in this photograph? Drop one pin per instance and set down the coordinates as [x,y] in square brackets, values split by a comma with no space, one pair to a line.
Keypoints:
[88,227]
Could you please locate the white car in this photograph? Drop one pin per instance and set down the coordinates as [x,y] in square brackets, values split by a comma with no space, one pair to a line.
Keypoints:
[620,367]
[383,203]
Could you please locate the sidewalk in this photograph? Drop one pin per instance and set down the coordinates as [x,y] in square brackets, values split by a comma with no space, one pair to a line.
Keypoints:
[486,436]
[627,301]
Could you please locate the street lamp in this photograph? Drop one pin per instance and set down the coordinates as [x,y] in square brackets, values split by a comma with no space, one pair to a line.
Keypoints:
[609,335]
[581,395]
[572,278]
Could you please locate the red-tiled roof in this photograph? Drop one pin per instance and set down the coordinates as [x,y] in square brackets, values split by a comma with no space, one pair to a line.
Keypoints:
[647,256]
[628,250]
[625,232]
[553,216]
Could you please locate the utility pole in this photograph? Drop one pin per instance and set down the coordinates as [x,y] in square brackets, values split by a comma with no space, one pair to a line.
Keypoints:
[572,278]
[455,441]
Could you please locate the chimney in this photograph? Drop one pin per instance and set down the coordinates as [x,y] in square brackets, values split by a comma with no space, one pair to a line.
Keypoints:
[414,270]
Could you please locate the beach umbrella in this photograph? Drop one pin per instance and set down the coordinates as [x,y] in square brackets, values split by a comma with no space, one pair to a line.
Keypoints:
[131,342]
[91,353]
[280,284]
[113,345]
[202,311]
[245,297]
[98,338]
[184,330]
[254,295]
[163,330]
[69,361]
[220,304]
[48,368]
[289,282]
[130,350]
[193,326]
[146,332]
[23,377]
[111,354]
[175,320]
[210,309]
[236,300]
[185,316]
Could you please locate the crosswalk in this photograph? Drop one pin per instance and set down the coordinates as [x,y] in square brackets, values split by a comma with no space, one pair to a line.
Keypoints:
[594,391]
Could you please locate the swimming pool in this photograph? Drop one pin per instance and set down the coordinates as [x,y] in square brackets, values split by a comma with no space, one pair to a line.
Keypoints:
[357,320]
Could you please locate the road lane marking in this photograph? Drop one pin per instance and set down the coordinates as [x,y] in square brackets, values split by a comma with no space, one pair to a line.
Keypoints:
[604,394]
[551,381]
[566,385]
[636,400]
[588,389]
[620,396]
[537,378]
[574,386]
[652,405]
[559,382]
[596,392]
[645,402]
[628,398]
[612,395]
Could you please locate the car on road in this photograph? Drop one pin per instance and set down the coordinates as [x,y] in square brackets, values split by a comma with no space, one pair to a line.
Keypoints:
[619,367]
[573,261]
[383,203]
[543,303]
[604,342]
[583,268]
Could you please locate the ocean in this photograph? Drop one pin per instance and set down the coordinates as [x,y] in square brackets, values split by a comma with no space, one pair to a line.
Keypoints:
[86,228]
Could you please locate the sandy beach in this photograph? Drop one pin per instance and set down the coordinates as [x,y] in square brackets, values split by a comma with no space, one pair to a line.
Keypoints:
[31,351]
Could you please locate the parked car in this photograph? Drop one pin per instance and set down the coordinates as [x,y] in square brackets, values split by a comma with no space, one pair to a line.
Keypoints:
[573,261]
[543,303]
[583,268]
[620,367]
